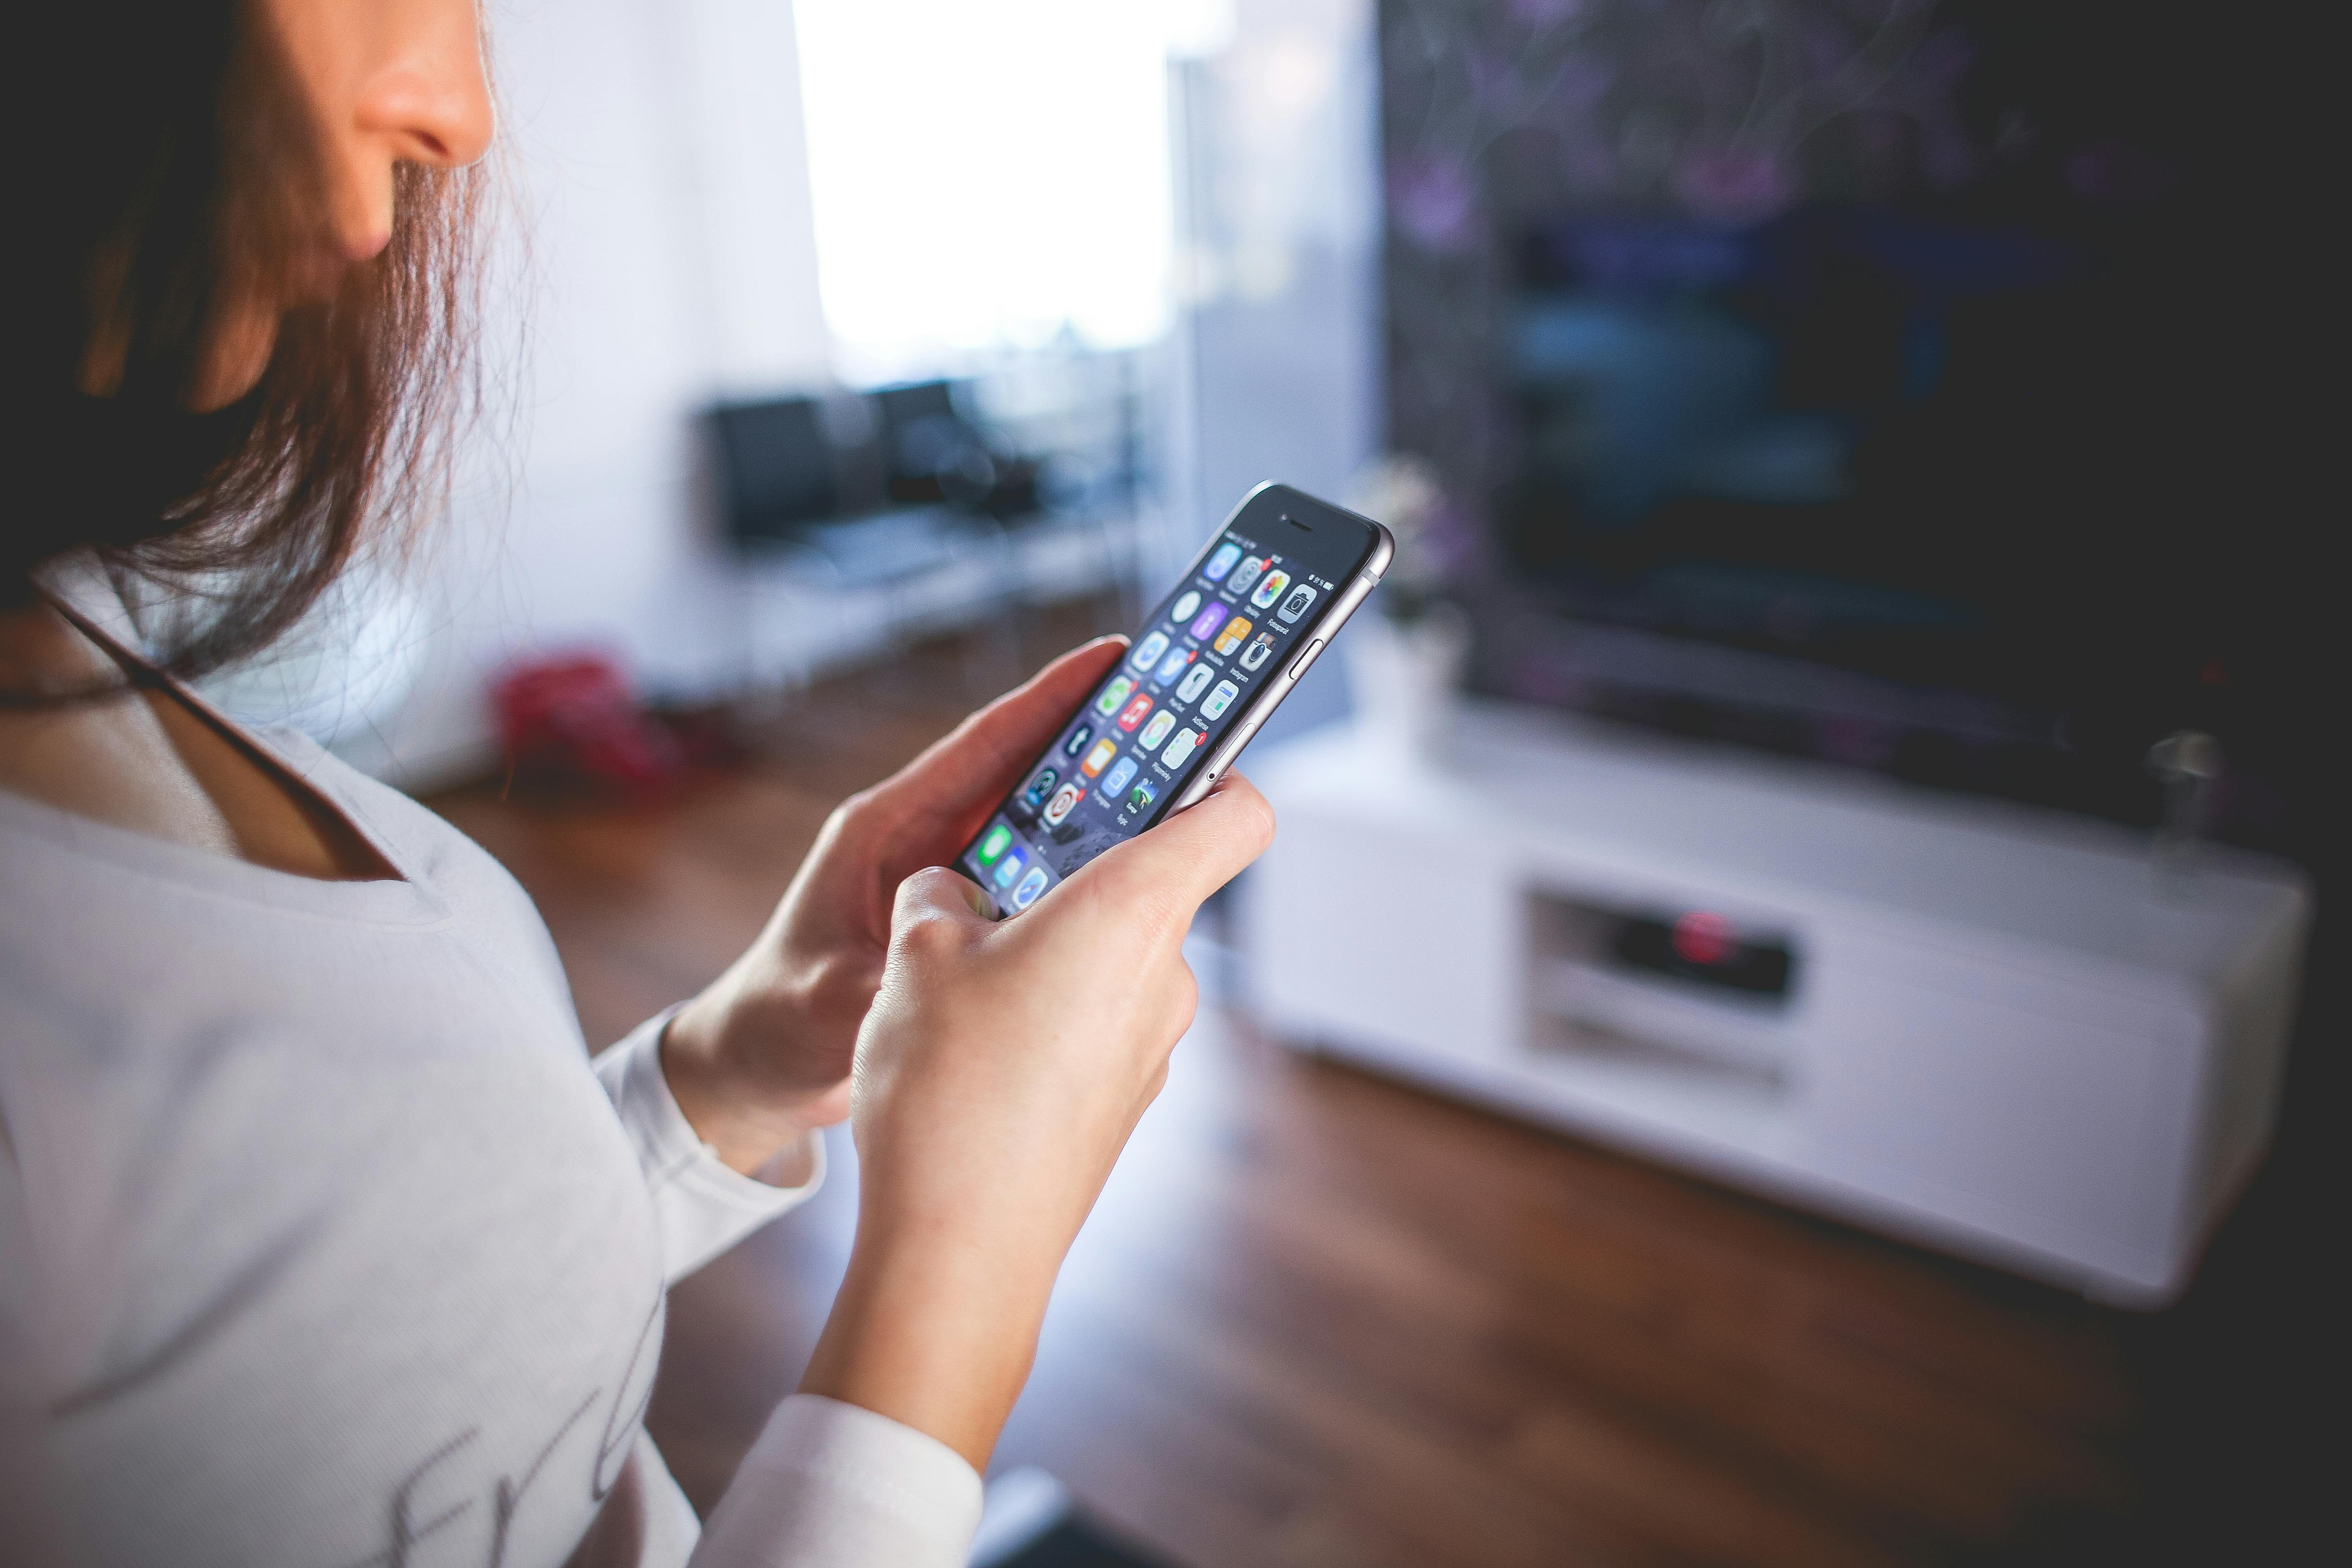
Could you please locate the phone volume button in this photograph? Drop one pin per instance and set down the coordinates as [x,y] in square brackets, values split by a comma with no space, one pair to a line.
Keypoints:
[1306,658]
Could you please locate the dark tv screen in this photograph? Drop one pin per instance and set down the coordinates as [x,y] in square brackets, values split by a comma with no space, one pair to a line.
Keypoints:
[1863,381]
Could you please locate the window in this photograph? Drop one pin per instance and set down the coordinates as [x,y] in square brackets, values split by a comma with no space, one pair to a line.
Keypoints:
[986,177]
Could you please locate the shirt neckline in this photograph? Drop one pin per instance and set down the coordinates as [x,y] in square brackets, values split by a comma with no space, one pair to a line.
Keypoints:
[407,900]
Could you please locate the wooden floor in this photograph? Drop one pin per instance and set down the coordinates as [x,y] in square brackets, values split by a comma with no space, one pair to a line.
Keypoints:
[1321,1318]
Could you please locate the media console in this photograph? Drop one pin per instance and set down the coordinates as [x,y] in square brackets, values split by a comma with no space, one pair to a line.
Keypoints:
[2002,1032]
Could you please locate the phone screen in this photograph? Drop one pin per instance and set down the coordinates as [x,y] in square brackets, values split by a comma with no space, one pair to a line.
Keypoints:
[1221,640]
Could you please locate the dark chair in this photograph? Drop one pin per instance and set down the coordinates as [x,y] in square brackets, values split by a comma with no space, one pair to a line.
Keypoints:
[780,477]
[778,469]
[783,507]
[931,453]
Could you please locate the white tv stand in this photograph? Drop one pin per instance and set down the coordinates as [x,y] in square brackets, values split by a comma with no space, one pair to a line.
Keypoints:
[2005,1032]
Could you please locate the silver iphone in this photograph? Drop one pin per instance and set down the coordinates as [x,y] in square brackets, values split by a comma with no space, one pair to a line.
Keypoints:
[1261,603]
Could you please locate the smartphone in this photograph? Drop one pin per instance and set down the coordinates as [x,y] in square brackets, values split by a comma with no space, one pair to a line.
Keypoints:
[1261,602]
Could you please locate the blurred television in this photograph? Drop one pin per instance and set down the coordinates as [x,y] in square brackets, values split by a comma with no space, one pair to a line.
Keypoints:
[1876,381]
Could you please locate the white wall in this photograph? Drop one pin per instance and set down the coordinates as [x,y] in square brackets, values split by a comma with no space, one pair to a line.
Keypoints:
[658,256]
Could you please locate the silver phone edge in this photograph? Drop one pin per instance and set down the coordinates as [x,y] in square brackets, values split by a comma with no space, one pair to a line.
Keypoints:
[1327,630]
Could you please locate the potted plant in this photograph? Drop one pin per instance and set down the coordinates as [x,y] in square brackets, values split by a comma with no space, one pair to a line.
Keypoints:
[1405,663]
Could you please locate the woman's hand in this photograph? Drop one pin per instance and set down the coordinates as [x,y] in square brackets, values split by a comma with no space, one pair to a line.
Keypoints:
[763,1053]
[999,1073]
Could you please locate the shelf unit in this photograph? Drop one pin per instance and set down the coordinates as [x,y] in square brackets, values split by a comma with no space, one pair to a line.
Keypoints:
[2005,1032]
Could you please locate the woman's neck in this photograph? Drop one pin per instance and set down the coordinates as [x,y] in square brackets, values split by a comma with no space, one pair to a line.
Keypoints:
[133,753]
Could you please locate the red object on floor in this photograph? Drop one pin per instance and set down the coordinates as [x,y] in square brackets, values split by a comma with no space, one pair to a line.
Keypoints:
[572,723]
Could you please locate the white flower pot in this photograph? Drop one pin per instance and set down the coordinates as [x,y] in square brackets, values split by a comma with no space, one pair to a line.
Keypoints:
[1406,681]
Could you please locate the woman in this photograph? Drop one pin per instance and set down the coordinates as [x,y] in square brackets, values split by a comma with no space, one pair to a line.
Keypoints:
[320,1242]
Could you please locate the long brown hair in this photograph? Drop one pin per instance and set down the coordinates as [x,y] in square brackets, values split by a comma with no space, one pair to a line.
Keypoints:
[186,179]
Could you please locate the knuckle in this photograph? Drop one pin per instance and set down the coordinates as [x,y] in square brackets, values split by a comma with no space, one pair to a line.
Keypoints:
[924,899]
[844,821]
[926,937]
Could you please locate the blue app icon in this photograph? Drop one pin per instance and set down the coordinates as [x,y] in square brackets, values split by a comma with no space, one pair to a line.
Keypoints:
[1008,868]
[1030,885]
[1222,562]
[1116,780]
[1173,666]
[1146,652]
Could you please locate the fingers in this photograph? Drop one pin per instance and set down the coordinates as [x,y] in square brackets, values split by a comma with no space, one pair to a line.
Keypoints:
[982,757]
[1215,840]
[1185,859]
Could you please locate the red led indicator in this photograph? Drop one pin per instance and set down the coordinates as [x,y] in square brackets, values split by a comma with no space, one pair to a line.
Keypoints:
[1701,937]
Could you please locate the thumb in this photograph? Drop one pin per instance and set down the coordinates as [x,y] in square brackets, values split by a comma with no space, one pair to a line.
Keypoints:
[967,771]
[940,903]
[1192,854]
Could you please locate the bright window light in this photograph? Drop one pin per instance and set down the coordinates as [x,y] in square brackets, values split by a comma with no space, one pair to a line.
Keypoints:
[985,176]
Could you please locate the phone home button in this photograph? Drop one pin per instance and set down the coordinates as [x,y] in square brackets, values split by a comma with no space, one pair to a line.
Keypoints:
[1307,659]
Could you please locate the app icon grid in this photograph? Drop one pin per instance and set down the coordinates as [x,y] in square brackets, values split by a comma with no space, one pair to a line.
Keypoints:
[1207,676]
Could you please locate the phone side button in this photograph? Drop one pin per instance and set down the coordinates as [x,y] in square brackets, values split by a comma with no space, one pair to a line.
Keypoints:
[1306,658]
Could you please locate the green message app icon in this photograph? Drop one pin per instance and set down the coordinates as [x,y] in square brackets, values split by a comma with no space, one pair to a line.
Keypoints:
[993,845]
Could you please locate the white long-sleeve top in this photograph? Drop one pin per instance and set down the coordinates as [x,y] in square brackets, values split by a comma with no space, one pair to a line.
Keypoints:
[322,1243]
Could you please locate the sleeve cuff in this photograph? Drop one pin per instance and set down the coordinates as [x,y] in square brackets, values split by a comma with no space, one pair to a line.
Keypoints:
[702,1206]
[835,1483]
